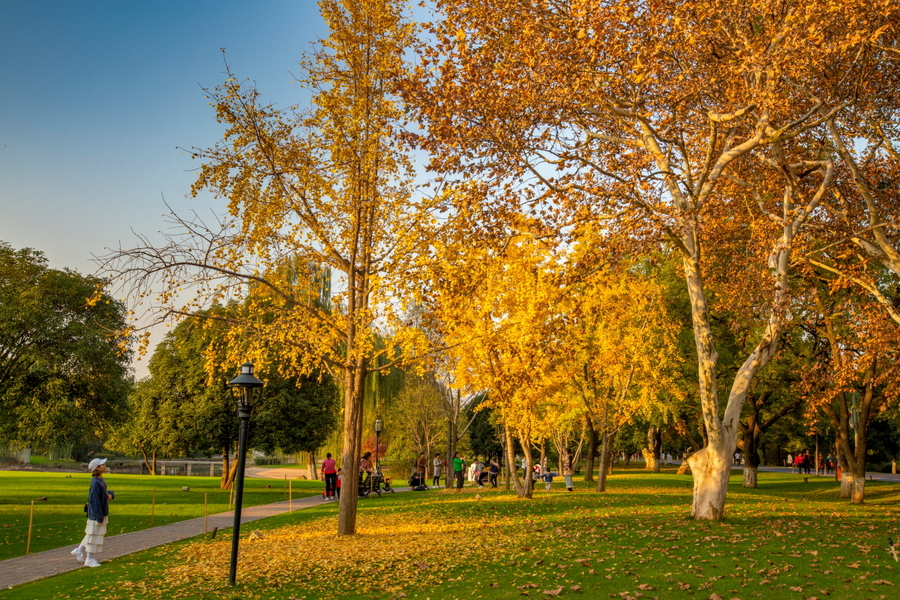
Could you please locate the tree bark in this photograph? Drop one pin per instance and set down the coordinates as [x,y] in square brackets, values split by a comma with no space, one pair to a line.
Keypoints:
[523,489]
[711,468]
[605,460]
[353,405]
[653,449]
[225,480]
[311,469]
[750,476]
[593,439]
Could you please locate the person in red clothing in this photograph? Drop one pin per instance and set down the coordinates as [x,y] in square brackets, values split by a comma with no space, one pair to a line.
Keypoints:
[337,487]
[330,472]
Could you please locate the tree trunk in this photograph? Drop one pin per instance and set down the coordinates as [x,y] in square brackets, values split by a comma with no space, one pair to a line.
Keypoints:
[751,455]
[846,483]
[858,489]
[524,490]
[149,461]
[652,451]
[353,405]
[750,474]
[710,468]
[451,451]
[230,473]
[605,460]
[225,480]
[593,439]
[311,470]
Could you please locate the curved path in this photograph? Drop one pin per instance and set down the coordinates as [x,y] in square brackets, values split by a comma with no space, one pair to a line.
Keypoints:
[24,569]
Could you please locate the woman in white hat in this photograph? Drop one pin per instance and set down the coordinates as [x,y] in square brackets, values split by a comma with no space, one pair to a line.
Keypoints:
[97,509]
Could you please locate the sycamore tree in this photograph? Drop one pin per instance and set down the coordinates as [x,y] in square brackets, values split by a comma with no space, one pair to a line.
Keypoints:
[855,377]
[321,185]
[660,120]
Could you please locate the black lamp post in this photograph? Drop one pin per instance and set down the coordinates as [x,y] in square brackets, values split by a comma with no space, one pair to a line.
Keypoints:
[246,381]
[378,425]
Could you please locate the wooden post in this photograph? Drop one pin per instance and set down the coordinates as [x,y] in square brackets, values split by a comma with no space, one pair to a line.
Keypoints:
[153,507]
[205,512]
[290,496]
[30,523]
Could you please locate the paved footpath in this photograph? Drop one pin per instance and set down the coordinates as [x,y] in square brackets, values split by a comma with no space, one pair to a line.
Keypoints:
[23,569]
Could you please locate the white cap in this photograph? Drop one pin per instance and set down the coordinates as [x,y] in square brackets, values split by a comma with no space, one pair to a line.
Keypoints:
[96,463]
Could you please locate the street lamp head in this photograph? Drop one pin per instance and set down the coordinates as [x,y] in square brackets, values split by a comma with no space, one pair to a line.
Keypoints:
[246,381]
[378,425]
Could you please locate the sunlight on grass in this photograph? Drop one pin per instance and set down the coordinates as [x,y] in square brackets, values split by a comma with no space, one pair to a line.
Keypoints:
[786,539]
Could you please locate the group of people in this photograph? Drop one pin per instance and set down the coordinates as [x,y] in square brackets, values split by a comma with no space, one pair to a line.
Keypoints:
[803,462]
[540,471]
[477,472]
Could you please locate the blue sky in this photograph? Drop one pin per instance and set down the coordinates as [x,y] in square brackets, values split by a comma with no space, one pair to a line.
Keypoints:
[97,97]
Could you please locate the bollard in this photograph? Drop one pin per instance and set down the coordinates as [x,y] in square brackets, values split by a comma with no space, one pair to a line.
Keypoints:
[30,522]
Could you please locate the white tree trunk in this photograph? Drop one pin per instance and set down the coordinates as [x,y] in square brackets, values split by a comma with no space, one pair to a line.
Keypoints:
[846,484]
[858,490]
[750,476]
[711,468]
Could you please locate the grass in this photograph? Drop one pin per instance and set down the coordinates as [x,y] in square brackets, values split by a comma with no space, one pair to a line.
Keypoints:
[59,520]
[785,539]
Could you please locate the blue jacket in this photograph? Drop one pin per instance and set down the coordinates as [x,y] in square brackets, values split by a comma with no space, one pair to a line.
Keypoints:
[98,503]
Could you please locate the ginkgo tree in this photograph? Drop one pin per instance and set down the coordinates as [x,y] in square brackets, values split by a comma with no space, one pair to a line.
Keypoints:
[659,120]
[320,187]
[496,308]
[620,354]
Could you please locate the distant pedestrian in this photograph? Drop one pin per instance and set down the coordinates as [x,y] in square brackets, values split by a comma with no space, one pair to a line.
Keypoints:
[97,508]
[438,464]
[568,470]
[330,472]
[337,485]
[459,466]
[495,471]
[548,480]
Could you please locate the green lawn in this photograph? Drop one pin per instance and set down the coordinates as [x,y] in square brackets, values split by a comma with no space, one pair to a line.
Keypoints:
[59,520]
[785,540]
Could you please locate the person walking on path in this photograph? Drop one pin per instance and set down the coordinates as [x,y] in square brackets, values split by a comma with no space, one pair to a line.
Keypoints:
[459,466]
[568,471]
[330,472]
[97,516]
[438,468]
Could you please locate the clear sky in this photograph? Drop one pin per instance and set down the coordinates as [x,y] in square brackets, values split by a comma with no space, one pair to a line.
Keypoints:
[97,97]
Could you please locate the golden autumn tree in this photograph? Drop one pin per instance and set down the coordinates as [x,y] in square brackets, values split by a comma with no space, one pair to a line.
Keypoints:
[660,120]
[496,309]
[619,351]
[316,189]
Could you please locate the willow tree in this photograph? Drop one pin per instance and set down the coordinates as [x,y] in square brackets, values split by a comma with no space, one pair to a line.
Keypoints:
[664,120]
[323,185]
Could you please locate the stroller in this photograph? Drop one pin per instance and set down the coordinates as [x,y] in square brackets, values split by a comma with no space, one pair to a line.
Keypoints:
[417,482]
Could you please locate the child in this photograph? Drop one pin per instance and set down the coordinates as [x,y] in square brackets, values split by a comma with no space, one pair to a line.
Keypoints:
[338,486]
[548,479]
